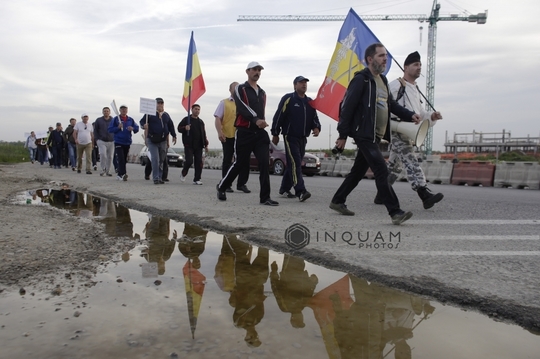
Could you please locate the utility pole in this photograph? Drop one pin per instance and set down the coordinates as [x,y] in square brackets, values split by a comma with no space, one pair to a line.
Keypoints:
[432,19]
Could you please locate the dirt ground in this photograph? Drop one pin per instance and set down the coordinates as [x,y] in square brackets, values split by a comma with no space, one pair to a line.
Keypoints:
[44,248]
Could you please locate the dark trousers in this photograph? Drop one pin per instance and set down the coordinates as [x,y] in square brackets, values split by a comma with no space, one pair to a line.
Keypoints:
[95,154]
[228,155]
[368,156]
[56,155]
[42,154]
[148,170]
[122,152]
[295,149]
[189,155]
[246,142]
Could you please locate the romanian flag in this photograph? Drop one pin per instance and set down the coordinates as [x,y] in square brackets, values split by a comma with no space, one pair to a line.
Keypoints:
[348,58]
[194,83]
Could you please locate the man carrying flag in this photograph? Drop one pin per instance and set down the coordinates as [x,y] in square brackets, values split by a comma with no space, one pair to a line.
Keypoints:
[365,116]
[354,37]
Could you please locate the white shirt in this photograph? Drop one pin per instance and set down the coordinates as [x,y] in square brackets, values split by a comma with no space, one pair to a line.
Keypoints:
[84,133]
[411,100]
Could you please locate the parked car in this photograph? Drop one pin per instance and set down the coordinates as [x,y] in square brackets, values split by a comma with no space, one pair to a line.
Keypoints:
[311,165]
[173,158]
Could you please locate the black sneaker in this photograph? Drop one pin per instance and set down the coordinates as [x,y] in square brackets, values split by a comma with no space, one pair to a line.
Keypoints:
[165,180]
[221,194]
[147,178]
[341,208]
[243,189]
[287,194]
[270,202]
[401,217]
[78,171]
[377,199]
[88,172]
[156,182]
[161,182]
[304,195]
[229,190]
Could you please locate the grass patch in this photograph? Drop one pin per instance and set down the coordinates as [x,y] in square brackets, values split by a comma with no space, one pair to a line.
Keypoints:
[13,152]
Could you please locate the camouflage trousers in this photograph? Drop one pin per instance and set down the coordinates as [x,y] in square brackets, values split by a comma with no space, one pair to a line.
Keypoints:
[401,152]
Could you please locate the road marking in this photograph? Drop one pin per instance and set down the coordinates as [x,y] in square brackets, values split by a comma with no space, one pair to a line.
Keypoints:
[456,253]
[511,237]
[476,221]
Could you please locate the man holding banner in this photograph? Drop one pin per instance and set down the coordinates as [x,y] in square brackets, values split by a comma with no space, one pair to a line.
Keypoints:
[365,116]
[407,94]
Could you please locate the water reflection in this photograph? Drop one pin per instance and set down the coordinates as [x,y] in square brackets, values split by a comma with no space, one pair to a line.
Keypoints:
[293,288]
[355,318]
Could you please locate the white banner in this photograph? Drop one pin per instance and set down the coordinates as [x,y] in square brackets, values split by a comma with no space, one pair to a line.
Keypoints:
[148,106]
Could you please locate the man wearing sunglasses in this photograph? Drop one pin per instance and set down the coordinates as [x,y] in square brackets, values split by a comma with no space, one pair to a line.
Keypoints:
[84,138]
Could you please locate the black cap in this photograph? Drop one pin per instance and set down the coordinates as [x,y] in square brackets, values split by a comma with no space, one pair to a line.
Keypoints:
[299,79]
[159,99]
[412,58]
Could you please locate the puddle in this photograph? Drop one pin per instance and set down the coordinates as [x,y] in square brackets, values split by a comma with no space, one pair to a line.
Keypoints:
[185,292]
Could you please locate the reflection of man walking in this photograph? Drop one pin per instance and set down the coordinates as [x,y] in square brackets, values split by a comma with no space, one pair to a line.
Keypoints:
[293,287]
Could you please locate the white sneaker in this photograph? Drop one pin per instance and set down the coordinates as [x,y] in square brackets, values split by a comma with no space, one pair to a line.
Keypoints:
[119,178]
[182,178]
[197,183]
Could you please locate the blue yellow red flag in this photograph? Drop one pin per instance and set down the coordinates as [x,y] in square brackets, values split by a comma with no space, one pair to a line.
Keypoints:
[348,58]
[194,86]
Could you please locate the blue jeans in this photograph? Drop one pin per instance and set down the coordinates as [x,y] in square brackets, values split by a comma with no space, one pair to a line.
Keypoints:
[158,154]
[72,150]
[33,152]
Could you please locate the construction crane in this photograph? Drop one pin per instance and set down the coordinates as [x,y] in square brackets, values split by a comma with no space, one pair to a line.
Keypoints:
[432,19]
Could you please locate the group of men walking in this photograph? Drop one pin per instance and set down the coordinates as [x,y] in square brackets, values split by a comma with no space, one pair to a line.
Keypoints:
[366,112]
[368,106]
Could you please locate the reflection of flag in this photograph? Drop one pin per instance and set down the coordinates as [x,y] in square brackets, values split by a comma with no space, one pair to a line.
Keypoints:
[322,306]
[354,37]
[194,83]
[194,282]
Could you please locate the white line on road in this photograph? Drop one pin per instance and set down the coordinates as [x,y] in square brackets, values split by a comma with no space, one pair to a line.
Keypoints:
[476,221]
[511,237]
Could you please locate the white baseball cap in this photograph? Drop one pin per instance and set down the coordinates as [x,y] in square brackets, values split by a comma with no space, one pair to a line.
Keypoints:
[253,64]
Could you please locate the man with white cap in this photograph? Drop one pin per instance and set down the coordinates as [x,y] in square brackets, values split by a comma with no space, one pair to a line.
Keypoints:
[251,135]
[84,138]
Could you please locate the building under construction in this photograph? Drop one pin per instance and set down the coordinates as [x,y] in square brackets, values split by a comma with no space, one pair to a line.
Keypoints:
[491,142]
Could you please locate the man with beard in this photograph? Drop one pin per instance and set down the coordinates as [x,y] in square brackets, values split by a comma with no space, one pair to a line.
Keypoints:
[365,116]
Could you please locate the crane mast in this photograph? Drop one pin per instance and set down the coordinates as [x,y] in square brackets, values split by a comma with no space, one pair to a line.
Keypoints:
[432,19]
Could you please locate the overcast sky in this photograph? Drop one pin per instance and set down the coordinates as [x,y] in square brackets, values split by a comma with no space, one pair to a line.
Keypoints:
[62,58]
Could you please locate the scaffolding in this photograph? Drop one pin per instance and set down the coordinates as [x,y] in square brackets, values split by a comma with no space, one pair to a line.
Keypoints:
[491,142]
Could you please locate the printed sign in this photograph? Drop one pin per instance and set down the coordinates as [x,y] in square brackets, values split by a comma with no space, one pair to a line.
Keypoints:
[148,106]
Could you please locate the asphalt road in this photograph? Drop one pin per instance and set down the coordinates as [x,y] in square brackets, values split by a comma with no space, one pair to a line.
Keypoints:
[478,248]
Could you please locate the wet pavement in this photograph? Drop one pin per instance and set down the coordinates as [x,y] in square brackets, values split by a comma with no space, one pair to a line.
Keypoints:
[186,292]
